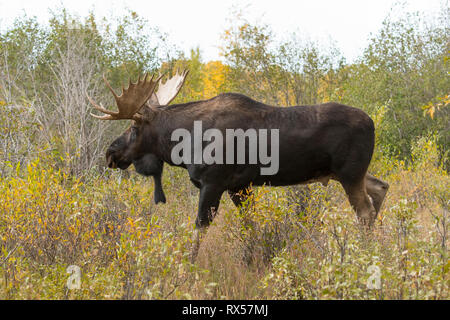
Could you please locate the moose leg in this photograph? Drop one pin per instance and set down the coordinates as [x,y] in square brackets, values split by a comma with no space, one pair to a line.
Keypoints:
[208,206]
[377,190]
[159,192]
[239,196]
[360,202]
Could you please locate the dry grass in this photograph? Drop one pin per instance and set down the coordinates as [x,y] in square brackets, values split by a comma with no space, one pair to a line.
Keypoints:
[281,245]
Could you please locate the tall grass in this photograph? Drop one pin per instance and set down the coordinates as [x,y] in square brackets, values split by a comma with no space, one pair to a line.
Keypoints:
[283,244]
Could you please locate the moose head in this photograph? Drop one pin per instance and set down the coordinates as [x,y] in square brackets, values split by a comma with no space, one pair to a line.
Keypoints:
[138,103]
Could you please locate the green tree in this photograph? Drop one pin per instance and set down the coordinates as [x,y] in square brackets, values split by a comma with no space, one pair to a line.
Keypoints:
[404,67]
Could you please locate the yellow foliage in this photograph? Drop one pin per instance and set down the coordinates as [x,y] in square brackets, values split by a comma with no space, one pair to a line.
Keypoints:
[431,107]
[279,245]
[214,76]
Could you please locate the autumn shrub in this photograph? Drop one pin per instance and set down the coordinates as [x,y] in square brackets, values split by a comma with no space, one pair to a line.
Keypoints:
[261,226]
[49,220]
[280,245]
[406,254]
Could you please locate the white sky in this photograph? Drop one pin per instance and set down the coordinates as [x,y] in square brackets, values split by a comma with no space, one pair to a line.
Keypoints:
[202,22]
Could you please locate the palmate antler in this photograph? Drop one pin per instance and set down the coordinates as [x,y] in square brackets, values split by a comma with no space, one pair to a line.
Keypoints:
[168,91]
[130,101]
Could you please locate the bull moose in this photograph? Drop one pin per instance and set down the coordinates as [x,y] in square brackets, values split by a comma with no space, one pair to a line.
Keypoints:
[316,143]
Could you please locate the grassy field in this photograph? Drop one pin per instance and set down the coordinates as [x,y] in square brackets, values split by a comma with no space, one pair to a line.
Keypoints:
[286,243]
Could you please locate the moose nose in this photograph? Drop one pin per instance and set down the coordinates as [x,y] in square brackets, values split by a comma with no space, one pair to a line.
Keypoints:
[111,163]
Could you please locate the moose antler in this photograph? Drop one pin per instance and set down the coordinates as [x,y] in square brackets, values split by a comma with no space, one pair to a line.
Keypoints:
[130,101]
[168,91]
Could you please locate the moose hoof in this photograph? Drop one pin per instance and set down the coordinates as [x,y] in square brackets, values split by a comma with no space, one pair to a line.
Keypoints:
[367,222]
[195,245]
[196,241]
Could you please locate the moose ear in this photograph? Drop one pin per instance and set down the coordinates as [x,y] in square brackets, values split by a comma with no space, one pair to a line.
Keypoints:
[147,113]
